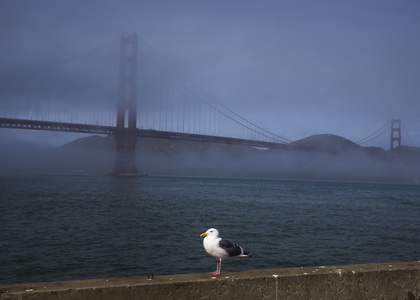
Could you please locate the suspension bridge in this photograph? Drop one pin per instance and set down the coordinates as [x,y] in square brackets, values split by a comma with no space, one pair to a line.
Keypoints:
[84,93]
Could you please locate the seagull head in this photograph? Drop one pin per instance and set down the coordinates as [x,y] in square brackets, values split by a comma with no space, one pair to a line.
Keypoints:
[213,232]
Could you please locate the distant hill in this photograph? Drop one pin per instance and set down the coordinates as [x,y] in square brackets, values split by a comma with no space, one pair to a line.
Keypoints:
[328,143]
[94,142]
[339,146]
[320,143]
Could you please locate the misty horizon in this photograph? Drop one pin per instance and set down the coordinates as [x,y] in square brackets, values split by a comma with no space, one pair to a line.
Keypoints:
[96,155]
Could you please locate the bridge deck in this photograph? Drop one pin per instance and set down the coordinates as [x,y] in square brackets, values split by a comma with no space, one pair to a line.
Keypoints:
[99,129]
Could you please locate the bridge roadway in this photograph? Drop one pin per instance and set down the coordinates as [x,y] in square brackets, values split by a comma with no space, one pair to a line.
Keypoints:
[99,129]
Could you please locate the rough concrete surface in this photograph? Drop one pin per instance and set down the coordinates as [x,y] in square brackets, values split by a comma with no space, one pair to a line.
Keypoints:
[398,280]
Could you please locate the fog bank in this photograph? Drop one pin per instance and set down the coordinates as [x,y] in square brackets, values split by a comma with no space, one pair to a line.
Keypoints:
[338,159]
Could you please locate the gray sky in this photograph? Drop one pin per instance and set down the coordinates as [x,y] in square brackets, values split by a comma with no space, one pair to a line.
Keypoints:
[295,68]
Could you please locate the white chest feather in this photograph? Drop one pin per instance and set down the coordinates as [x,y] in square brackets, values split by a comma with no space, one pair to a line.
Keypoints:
[212,247]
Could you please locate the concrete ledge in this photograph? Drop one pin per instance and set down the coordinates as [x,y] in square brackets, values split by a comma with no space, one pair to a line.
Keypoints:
[398,280]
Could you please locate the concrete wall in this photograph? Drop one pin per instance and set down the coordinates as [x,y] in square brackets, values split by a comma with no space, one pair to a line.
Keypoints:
[399,280]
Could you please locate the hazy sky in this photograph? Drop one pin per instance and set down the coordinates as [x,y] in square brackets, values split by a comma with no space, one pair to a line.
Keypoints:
[296,68]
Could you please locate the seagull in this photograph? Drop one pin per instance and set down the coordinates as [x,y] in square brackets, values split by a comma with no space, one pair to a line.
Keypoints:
[221,249]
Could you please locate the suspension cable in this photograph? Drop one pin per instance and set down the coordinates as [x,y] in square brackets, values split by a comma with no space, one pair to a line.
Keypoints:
[368,138]
[80,55]
[375,137]
[405,130]
[264,132]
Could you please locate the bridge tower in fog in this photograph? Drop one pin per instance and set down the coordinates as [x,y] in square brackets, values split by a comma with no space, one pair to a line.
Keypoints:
[396,135]
[125,137]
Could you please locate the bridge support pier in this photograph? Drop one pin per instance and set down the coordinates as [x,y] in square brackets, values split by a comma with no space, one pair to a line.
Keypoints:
[125,137]
[125,163]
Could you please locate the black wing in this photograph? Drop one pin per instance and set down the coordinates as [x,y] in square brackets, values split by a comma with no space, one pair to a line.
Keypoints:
[231,249]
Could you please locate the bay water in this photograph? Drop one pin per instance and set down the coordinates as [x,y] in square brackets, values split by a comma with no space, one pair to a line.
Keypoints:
[55,228]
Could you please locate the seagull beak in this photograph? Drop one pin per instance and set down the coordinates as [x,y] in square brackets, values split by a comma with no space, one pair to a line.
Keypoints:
[203,234]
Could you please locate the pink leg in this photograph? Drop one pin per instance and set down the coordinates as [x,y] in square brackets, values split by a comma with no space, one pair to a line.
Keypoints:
[219,267]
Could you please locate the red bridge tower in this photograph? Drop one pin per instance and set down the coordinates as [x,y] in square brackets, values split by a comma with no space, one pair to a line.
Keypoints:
[396,135]
[125,137]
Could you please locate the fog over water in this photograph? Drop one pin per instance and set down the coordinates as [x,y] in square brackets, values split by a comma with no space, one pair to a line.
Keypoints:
[96,155]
